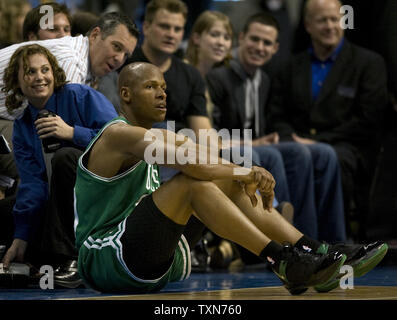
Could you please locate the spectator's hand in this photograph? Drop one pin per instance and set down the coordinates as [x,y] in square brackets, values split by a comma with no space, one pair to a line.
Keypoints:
[302,140]
[262,180]
[15,253]
[54,127]
[272,138]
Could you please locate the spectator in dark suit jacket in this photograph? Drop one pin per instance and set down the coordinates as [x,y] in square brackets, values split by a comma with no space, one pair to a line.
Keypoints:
[334,92]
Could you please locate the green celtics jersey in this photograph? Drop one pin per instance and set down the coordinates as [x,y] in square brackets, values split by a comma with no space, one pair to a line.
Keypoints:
[102,203]
[102,206]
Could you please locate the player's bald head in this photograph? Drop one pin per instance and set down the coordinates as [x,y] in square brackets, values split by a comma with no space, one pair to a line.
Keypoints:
[135,72]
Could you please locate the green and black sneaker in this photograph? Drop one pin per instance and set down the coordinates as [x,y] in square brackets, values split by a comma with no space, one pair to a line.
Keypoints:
[299,269]
[362,258]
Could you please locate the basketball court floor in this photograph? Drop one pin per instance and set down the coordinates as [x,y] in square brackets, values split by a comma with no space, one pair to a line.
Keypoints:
[254,282]
[253,292]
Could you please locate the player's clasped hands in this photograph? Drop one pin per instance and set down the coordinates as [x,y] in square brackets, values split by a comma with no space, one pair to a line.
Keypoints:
[262,180]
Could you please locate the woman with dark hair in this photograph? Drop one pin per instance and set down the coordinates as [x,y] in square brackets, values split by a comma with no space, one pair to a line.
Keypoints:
[21,62]
[75,114]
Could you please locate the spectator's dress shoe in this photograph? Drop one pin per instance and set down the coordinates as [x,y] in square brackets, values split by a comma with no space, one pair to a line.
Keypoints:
[67,275]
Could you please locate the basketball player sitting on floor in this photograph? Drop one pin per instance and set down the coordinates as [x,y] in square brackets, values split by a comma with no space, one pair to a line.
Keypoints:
[132,233]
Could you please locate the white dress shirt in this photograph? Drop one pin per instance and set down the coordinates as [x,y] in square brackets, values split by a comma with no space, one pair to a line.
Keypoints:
[252,102]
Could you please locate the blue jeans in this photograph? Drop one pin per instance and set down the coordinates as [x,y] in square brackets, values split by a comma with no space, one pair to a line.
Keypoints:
[314,186]
[246,155]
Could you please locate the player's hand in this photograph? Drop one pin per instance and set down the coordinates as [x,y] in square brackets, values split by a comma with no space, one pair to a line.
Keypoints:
[262,180]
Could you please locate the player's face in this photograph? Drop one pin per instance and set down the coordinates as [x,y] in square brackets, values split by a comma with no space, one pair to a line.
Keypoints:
[149,97]
[37,84]
[110,53]
[61,28]
[213,44]
[165,33]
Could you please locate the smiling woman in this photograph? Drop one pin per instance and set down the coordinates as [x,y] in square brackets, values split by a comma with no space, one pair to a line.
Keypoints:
[37,82]
[78,113]
[33,65]
[210,41]
[210,45]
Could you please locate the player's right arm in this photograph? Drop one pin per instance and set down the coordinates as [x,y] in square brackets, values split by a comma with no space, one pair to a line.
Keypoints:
[122,143]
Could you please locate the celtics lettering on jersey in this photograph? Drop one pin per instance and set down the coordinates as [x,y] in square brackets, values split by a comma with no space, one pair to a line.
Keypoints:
[101,203]
[152,181]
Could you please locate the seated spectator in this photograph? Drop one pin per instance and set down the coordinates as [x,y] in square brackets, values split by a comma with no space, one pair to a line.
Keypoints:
[130,230]
[107,85]
[77,112]
[333,92]
[210,46]
[85,58]
[58,27]
[240,92]
[31,30]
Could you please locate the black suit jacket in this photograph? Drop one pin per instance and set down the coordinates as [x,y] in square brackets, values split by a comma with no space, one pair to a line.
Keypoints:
[227,92]
[348,108]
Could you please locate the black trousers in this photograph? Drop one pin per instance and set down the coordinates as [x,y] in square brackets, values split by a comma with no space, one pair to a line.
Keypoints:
[7,220]
[57,238]
[357,172]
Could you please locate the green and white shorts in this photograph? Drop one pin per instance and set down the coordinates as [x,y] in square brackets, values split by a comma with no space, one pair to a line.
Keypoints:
[102,267]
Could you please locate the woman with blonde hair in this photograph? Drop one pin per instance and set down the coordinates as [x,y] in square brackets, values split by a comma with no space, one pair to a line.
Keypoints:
[210,44]
[210,41]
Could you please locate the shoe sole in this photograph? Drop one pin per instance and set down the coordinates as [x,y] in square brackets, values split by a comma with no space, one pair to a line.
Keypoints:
[328,273]
[360,269]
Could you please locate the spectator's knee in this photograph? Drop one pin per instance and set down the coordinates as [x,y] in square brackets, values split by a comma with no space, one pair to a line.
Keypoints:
[269,156]
[328,156]
[300,153]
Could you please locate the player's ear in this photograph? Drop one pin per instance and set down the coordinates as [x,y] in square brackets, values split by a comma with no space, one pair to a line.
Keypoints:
[125,94]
